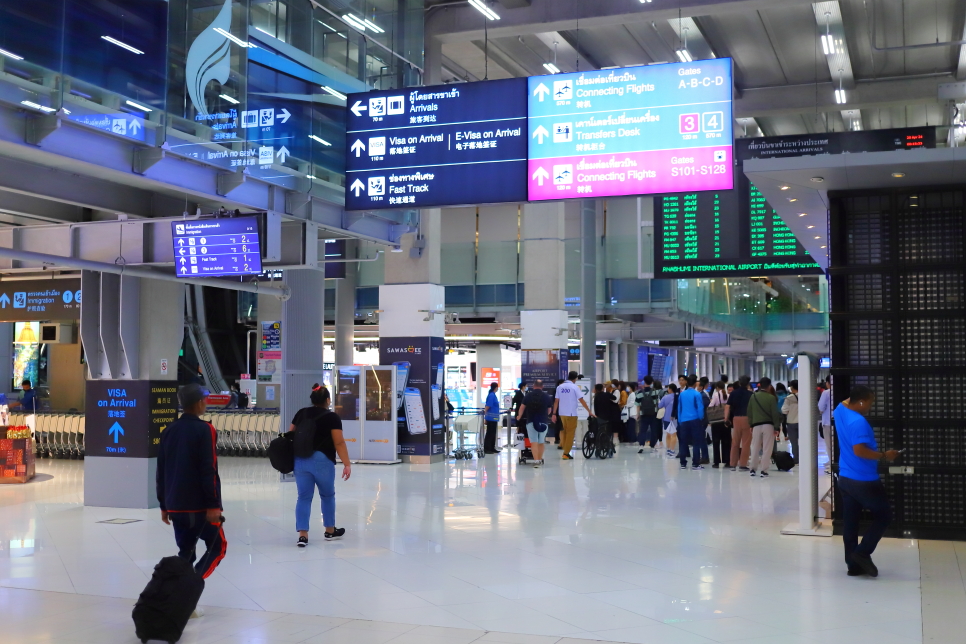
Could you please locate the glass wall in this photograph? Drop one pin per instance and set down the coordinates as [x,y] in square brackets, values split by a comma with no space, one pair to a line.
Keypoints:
[256,85]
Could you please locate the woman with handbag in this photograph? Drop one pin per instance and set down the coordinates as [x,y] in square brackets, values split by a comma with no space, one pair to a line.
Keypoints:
[667,411]
[317,439]
[720,434]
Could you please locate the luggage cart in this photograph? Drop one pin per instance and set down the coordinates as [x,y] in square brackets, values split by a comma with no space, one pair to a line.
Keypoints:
[468,424]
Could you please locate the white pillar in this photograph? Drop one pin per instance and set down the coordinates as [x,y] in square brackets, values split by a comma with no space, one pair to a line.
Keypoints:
[345,308]
[622,362]
[302,325]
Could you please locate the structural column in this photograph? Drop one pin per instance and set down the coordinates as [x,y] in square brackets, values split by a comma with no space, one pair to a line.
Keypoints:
[588,288]
[302,325]
[412,329]
[543,320]
[132,330]
[345,307]
[268,369]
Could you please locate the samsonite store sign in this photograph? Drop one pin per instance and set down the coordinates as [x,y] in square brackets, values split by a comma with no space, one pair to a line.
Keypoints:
[49,299]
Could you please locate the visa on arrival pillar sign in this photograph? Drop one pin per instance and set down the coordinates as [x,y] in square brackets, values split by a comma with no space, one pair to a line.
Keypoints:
[631,131]
[420,383]
[125,418]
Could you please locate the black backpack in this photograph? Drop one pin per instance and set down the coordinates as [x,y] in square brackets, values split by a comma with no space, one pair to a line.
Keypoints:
[281,453]
[242,400]
[783,461]
[305,433]
[166,603]
[648,403]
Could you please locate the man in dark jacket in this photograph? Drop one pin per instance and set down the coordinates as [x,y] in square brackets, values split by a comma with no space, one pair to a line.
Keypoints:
[189,487]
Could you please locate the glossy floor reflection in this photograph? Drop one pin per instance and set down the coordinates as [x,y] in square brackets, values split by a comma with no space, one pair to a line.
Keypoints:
[630,549]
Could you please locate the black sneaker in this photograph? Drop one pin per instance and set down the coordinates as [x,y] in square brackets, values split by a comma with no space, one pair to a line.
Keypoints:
[742,469]
[697,467]
[763,474]
[753,473]
[855,572]
[716,465]
[335,534]
[302,542]
[865,563]
[560,447]
[640,451]
[684,466]
[734,469]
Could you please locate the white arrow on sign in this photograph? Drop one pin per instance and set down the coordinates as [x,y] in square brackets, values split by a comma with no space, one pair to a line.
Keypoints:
[181,242]
[358,147]
[359,108]
[284,116]
[357,186]
[540,175]
[183,261]
[181,251]
[282,153]
[540,133]
[135,126]
[540,91]
[183,270]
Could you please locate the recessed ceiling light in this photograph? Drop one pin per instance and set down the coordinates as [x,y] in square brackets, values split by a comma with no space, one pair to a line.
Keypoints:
[898,175]
[823,246]
[817,179]
[817,237]
[803,214]
[784,188]
[811,226]
[792,199]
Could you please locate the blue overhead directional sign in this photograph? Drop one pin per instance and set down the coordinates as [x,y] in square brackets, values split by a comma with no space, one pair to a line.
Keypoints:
[216,247]
[437,146]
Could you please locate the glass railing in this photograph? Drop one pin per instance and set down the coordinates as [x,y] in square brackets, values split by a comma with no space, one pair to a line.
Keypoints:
[251,87]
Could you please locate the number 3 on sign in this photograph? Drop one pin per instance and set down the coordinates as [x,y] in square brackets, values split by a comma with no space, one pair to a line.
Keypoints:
[690,123]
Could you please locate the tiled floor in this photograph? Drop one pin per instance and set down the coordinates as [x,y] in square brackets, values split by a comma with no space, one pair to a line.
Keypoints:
[628,550]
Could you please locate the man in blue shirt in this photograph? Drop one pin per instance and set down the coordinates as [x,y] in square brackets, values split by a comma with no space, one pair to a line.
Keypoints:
[859,481]
[691,423]
[29,399]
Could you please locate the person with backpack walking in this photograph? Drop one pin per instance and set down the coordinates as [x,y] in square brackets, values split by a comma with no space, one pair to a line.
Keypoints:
[648,398]
[317,440]
[188,485]
[765,424]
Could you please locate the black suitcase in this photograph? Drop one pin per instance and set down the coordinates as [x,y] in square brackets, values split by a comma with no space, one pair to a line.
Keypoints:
[166,603]
[783,461]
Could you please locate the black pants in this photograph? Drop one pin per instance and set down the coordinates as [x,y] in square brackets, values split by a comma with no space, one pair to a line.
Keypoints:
[189,528]
[793,439]
[857,495]
[489,439]
[630,430]
[721,443]
[650,430]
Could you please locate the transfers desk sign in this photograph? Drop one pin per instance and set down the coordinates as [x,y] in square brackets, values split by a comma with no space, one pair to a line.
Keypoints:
[125,418]
[49,299]
[631,131]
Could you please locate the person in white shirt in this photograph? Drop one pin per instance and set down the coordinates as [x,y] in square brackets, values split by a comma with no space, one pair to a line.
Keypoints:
[567,397]
[790,409]
[825,408]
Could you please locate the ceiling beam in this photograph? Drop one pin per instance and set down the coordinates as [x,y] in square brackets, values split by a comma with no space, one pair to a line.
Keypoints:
[462,22]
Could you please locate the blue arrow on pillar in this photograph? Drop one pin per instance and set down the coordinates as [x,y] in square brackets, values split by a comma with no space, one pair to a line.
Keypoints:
[116,430]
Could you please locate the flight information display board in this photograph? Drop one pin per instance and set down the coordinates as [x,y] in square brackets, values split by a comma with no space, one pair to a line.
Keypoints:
[631,131]
[437,146]
[216,247]
[726,232]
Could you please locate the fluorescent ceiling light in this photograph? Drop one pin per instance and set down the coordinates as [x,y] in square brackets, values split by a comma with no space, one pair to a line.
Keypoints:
[123,45]
[817,237]
[804,214]
[811,226]
[840,96]
[684,55]
[322,141]
[485,10]
[233,101]
[355,22]
[784,187]
[376,28]
[37,106]
[337,32]
[792,200]
[10,54]
[309,176]
[550,67]
[828,45]
[234,39]
[143,108]
[335,93]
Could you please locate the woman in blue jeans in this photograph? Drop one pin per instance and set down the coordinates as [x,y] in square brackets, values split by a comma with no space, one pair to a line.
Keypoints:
[318,438]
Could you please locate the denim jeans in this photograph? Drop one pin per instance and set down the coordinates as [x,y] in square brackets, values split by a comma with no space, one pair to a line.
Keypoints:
[314,471]
[856,495]
[690,432]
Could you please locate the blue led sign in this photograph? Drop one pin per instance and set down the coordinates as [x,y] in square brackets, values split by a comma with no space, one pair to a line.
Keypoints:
[216,247]
[437,146]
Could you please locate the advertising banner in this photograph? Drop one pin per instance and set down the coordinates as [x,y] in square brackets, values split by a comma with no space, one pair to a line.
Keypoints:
[420,382]
[549,365]
[270,354]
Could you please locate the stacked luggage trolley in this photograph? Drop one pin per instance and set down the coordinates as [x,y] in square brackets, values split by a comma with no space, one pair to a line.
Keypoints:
[243,432]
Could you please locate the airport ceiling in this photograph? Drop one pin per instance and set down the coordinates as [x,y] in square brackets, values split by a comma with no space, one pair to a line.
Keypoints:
[888,56]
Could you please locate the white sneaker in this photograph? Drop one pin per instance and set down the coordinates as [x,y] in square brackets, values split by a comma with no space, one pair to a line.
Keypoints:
[198,612]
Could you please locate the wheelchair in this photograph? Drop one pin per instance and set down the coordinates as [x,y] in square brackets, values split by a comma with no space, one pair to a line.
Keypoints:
[598,439]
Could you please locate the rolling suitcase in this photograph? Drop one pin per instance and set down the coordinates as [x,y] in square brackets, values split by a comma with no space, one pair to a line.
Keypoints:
[166,603]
